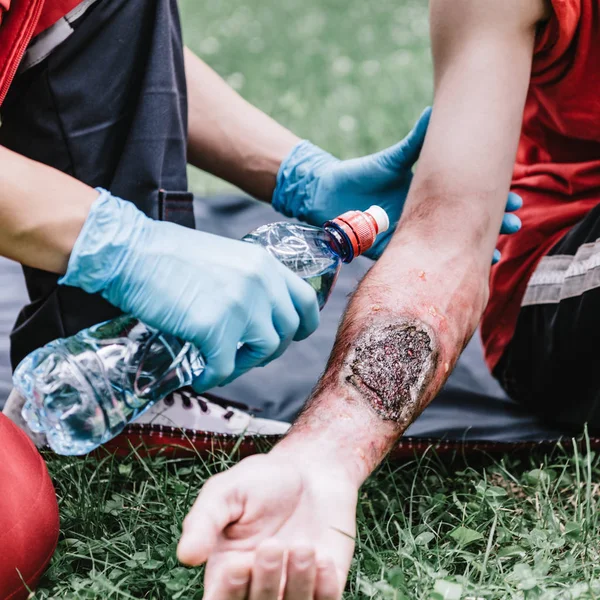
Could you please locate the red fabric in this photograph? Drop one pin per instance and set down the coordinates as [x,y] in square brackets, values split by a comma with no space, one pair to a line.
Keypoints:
[16,28]
[28,513]
[4,6]
[18,25]
[557,171]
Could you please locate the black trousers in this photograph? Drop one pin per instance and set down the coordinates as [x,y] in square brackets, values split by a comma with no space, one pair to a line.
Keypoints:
[552,364]
[108,107]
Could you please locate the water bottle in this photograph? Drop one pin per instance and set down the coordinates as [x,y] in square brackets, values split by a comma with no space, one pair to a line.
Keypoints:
[82,391]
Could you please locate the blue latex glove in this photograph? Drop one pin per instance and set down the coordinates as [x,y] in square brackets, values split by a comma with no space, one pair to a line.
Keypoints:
[212,291]
[314,186]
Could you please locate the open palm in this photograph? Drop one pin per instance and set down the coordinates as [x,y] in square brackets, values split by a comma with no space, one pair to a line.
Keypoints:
[273,527]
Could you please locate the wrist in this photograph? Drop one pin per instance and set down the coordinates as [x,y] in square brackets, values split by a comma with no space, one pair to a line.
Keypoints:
[110,231]
[295,180]
[255,167]
[315,454]
[341,435]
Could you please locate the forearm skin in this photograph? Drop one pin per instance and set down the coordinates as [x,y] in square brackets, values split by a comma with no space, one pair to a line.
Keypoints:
[415,311]
[399,341]
[404,329]
[230,138]
[42,212]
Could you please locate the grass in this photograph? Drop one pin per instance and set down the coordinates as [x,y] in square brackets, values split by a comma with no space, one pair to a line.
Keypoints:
[352,76]
[349,75]
[512,528]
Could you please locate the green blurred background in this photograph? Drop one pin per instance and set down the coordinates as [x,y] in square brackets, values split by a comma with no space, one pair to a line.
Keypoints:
[351,76]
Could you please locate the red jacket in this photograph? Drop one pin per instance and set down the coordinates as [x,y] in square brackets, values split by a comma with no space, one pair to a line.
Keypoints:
[20,20]
[557,171]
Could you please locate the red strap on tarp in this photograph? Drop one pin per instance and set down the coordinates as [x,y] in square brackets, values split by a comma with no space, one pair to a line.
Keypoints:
[150,439]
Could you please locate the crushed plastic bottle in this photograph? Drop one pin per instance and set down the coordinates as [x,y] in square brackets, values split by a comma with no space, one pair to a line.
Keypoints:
[82,391]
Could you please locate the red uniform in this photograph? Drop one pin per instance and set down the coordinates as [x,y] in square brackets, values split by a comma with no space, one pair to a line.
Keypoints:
[558,162]
[28,513]
[20,20]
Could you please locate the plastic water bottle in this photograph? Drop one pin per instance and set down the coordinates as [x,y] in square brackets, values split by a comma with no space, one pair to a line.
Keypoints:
[82,391]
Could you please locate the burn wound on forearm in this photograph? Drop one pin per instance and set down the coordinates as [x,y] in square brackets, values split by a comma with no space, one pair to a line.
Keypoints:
[390,365]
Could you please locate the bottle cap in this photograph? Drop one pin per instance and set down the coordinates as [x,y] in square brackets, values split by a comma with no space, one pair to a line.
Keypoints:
[381,218]
[362,228]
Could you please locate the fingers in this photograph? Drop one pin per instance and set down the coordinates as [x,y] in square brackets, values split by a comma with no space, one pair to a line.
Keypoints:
[291,314]
[219,350]
[219,366]
[237,578]
[217,506]
[286,322]
[262,577]
[327,586]
[260,344]
[267,572]
[231,583]
[304,299]
[267,341]
[405,153]
[301,574]
[514,202]
[302,581]
[510,224]
[415,139]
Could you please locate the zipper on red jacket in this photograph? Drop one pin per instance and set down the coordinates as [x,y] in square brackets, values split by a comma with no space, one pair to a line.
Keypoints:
[21,46]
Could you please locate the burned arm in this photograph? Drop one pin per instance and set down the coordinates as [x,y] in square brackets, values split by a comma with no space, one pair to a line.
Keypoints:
[414,312]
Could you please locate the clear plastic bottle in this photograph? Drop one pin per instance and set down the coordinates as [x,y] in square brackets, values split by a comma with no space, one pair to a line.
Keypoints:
[82,391]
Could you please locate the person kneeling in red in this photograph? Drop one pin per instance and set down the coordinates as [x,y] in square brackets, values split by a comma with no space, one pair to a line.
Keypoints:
[28,513]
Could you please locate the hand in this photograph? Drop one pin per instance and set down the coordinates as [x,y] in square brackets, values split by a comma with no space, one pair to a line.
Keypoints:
[314,186]
[273,520]
[217,293]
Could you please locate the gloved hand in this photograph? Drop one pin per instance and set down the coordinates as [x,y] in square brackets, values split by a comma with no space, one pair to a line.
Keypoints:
[314,186]
[212,291]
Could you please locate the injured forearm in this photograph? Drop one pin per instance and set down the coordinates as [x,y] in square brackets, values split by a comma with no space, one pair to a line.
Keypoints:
[399,340]
[42,212]
[414,312]
[229,137]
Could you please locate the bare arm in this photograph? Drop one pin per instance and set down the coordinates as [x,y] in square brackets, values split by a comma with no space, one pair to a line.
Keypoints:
[42,212]
[229,137]
[402,333]
[412,315]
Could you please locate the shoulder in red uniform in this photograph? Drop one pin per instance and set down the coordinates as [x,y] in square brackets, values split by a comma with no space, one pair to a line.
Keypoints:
[20,21]
[557,170]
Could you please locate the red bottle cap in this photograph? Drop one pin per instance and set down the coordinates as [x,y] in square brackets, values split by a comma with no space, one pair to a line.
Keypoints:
[362,228]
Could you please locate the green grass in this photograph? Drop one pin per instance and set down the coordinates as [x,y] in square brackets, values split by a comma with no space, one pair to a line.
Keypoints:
[514,528]
[352,76]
